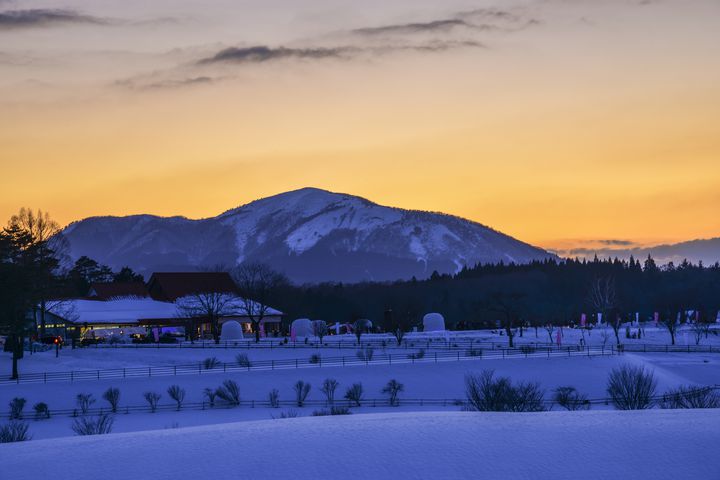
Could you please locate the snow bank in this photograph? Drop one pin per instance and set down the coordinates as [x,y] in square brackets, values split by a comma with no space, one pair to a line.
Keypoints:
[657,444]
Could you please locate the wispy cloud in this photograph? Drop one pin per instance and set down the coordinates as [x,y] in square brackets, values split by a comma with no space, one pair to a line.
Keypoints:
[11,19]
[263,53]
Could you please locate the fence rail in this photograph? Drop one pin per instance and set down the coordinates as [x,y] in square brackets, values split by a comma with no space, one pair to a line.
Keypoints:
[365,402]
[199,368]
[407,344]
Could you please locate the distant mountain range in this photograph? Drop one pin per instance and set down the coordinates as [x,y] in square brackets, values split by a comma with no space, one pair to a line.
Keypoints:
[706,251]
[311,235]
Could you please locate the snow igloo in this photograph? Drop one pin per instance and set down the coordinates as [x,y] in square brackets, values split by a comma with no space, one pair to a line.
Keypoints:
[302,327]
[231,330]
[433,322]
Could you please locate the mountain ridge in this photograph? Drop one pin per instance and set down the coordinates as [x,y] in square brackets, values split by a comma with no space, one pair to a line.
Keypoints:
[310,234]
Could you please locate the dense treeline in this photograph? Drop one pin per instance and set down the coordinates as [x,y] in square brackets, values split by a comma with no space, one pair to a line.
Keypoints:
[538,293]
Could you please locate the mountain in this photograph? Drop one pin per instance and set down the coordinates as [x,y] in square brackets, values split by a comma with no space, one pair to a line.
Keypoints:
[706,251]
[309,234]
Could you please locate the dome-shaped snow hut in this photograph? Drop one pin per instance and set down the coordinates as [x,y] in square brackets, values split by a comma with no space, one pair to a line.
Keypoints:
[231,330]
[302,327]
[433,322]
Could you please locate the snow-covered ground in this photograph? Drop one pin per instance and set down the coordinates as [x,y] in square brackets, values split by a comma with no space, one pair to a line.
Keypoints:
[442,381]
[657,444]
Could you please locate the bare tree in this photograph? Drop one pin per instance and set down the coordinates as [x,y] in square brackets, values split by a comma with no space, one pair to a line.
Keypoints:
[509,305]
[320,329]
[550,328]
[603,297]
[47,247]
[671,322]
[257,283]
[209,305]
[700,328]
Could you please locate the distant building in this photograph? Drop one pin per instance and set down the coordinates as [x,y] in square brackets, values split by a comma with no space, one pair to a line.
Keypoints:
[123,308]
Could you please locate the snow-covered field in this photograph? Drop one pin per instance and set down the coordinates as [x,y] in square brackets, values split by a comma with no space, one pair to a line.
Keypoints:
[432,439]
[657,444]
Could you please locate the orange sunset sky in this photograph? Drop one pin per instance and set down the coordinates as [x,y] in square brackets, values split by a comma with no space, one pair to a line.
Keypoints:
[559,122]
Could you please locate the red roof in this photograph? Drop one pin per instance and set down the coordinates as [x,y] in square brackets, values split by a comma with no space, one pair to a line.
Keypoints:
[106,291]
[170,286]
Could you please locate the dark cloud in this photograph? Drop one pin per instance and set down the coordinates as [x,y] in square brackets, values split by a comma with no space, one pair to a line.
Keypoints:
[45,17]
[477,20]
[262,53]
[615,242]
[411,28]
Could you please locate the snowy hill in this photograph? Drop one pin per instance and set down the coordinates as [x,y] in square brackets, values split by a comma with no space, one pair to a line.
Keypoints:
[653,444]
[310,234]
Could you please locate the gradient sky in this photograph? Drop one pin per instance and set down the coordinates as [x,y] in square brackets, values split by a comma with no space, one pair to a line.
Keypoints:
[560,122]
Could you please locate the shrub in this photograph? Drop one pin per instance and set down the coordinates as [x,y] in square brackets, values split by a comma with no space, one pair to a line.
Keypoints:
[210,394]
[177,394]
[484,393]
[366,354]
[287,414]
[332,411]
[328,389]
[473,352]
[229,392]
[274,398]
[417,355]
[152,398]
[41,411]
[392,389]
[301,392]
[211,363]
[570,399]
[314,358]
[93,426]
[691,397]
[14,432]
[84,401]
[355,393]
[112,396]
[631,388]
[243,360]
[526,349]
[17,405]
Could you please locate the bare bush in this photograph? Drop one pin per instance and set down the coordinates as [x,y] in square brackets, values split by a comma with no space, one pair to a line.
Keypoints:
[41,411]
[177,394]
[690,397]
[287,414]
[328,389]
[631,388]
[393,389]
[152,398]
[229,392]
[14,432]
[274,398]
[354,393]
[84,402]
[302,390]
[112,396]
[17,405]
[210,394]
[314,359]
[243,360]
[473,352]
[211,363]
[417,355]
[570,399]
[484,393]
[332,411]
[366,354]
[100,425]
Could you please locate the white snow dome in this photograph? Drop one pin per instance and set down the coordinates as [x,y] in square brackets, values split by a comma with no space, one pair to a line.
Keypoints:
[302,327]
[231,330]
[433,322]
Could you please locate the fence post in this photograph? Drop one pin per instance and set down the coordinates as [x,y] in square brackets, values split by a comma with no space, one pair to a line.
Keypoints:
[123,373]
[45,377]
[174,369]
[272,364]
[296,363]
